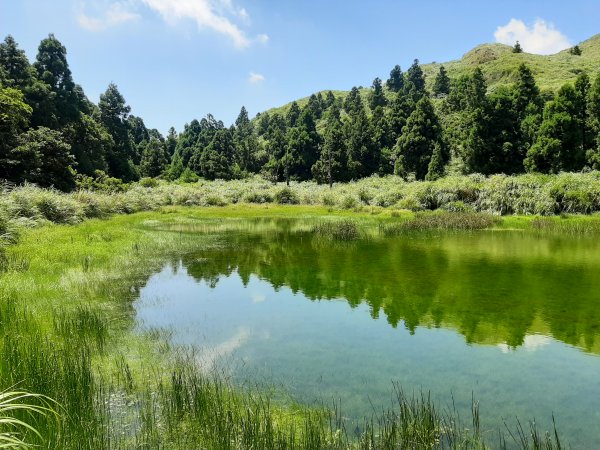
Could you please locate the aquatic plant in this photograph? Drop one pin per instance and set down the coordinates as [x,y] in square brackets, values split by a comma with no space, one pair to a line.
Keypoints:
[440,221]
[339,230]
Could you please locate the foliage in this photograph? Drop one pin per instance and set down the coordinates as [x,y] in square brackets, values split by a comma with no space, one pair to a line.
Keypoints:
[13,429]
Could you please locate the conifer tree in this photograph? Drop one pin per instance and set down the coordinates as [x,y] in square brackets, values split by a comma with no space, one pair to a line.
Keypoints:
[113,115]
[329,99]
[517,48]
[293,114]
[414,85]
[395,82]
[331,164]
[16,66]
[53,69]
[216,161]
[441,85]
[376,96]
[245,142]
[154,159]
[593,154]
[558,145]
[415,147]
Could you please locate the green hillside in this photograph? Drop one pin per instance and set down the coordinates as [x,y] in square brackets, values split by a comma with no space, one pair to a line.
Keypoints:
[499,65]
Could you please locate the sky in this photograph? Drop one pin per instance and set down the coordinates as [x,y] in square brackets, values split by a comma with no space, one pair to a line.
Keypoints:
[176,60]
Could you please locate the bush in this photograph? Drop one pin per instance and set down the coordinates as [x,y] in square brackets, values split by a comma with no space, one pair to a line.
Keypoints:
[258,197]
[148,182]
[349,202]
[187,176]
[287,196]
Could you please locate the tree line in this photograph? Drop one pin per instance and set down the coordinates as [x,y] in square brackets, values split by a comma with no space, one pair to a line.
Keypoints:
[53,135]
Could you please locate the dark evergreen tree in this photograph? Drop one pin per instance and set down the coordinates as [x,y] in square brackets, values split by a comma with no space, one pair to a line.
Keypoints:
[216,161]
[184,149]
[376,96]
[517,48]
[16,66]
[90,144]
[293,114]
[527,94]
[441,85]
[381,134]
[353,103]
[332,162]
[582,94]
[263,123]
[137,129]
[113,115]
[53,69]
[421,135]
[362,158]
[400,108]
[303,144]
[154,159]
[414,84]
[171,143]
[558,146]
[329,100]
[396,81]
[276,149]
[245,142]
[315,106]
[437,164]
[593,154]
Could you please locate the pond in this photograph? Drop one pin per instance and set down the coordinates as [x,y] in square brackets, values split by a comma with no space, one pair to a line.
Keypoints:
[511,318]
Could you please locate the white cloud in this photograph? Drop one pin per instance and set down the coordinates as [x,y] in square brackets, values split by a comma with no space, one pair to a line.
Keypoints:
[116,14]
[205,13]
[541,38]
[216,15]
[256,78]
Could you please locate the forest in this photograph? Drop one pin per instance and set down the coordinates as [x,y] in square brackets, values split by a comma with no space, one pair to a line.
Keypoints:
[52,135]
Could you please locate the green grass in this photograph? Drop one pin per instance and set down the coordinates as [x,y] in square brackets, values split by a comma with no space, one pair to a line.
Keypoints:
[67,330]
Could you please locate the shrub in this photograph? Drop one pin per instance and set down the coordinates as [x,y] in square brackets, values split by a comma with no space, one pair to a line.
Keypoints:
[258,197]
[148,182]
[187,176]
[349,202]
[287,196]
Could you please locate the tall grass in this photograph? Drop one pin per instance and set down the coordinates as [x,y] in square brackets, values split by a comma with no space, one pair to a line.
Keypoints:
[569,193]
[13,430]
[342,230]
[440,221]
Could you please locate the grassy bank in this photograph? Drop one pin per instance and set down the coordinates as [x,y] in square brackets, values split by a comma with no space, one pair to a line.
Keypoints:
[543,195]
[67,331]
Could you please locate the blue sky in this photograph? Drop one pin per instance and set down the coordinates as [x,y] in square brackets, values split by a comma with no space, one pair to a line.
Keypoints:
[175,60]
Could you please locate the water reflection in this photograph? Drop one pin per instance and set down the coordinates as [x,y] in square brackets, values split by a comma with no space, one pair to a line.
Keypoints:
[342,321]
[492,287]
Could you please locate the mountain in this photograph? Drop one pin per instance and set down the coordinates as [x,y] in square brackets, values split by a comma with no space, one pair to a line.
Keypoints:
[499,65]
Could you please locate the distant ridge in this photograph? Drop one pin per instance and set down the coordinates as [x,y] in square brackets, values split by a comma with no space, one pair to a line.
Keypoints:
[499,65]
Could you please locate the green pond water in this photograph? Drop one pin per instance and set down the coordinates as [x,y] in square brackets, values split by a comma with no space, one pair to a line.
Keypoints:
[509,317]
